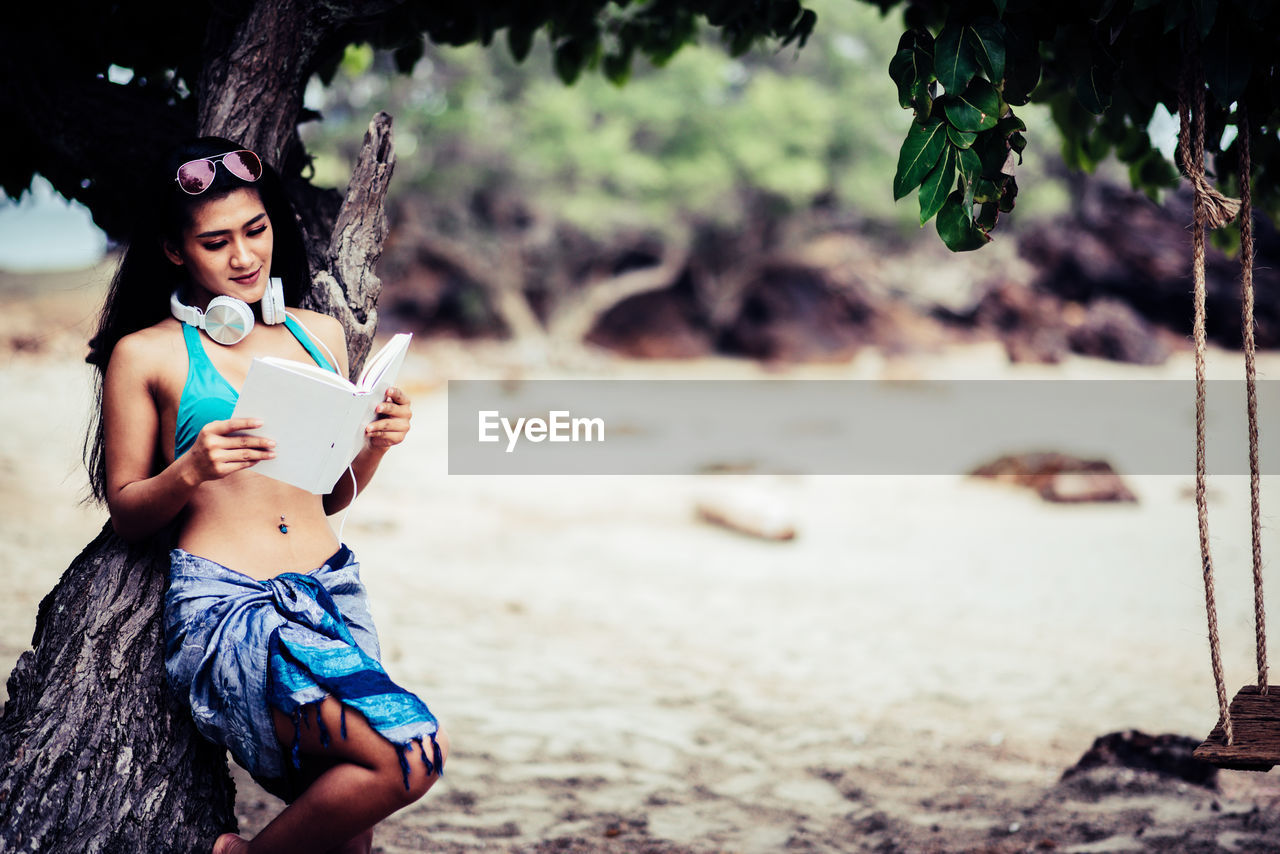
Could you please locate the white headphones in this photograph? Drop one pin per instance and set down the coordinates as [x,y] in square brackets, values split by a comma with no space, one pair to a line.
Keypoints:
[228,320]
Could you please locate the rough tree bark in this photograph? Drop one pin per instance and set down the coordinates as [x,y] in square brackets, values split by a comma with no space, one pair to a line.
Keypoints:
[95,755]
[98,756]
[346,286]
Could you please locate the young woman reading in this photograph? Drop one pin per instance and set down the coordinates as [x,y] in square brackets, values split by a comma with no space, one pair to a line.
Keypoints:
[267,628]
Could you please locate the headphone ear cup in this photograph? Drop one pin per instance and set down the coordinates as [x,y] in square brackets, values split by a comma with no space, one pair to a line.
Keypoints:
[273,303]
[228,320]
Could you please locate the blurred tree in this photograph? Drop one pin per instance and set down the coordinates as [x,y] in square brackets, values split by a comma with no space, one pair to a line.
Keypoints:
[510,168]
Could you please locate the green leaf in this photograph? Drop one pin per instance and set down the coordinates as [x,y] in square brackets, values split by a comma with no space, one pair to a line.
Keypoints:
[953,59]
[986,190]
[959,138]
[1206,12]
[1022,65]
[357,59]
[994,151]
[922,98]
[1133,145]
[970,164]
[986,41]
[1095,146]
[1175,13]
[920,39]
[1009,196]
[978,108]
[1093,88]
[1009,124]
[1101,15]
[569,60]
[919,154]
[1000,4]
[1152,172]
[617,67]
[957,229]
[407,55]
[519,41]
[987,216]
[1018,143]
[937,184]
[1227,62]
[803,29]
[902,69]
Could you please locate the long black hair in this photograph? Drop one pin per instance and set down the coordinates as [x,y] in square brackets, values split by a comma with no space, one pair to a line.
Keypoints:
[139,293]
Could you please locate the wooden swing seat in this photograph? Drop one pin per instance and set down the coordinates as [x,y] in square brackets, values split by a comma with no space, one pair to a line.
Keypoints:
[1255,725]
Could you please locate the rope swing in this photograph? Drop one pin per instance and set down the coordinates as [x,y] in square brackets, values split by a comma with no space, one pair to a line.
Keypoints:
[1247,736]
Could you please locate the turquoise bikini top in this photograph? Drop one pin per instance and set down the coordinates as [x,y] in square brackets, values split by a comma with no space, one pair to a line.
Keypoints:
[208,396]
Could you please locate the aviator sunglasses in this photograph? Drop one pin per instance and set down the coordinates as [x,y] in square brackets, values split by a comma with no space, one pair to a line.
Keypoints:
[195,176]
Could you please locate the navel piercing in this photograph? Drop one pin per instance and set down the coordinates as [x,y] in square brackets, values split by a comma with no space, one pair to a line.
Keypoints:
[284,529]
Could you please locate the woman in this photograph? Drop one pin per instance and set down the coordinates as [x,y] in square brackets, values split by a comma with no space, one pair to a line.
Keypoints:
[266,625]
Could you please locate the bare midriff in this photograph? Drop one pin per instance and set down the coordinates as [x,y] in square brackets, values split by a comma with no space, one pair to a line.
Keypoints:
[236,522]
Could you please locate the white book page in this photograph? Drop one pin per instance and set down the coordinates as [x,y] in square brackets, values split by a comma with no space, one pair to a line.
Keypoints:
[390,357]
[310,417]
[316,417]
[306,369]
[378,376]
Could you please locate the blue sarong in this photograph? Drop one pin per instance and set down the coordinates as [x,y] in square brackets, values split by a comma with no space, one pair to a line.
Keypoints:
[238,646]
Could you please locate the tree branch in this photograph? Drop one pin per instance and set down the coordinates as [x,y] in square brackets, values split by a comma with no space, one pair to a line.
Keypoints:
[349,288]
[578,314]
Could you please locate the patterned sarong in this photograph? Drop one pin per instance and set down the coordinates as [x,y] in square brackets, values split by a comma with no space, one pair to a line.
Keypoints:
[237,646]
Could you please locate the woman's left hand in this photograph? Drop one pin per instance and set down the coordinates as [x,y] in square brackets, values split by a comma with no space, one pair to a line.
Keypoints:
[392,423]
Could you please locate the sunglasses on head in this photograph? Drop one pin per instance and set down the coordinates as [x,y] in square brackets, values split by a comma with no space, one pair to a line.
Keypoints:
[195,176]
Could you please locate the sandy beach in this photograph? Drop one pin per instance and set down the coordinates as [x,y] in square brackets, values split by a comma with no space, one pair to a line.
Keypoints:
[912,672]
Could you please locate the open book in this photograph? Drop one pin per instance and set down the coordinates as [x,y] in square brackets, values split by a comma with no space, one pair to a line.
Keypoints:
[316,417]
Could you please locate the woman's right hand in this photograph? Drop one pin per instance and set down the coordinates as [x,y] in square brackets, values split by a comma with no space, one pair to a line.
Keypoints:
[217,453]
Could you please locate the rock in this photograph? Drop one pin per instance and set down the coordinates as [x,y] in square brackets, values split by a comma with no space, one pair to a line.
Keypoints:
[1124,247]
[1166,756]
[1029,324]
[1059,477]
[1110,329]
[656,325]
[1081,487]
[794,314]
[755,514]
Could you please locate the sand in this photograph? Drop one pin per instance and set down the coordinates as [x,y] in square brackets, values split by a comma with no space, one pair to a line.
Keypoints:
[913,672]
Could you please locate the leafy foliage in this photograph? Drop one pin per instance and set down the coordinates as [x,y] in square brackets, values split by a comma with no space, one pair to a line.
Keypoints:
[74,119]
[1103,67]
[695,140]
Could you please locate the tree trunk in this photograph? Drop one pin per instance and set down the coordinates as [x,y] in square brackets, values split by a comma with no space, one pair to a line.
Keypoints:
[97,755]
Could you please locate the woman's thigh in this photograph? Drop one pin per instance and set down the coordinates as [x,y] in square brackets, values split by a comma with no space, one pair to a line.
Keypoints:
[322,745]
[323,741]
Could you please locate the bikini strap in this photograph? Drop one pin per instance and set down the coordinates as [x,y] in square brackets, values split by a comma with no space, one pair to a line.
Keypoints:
[307,344]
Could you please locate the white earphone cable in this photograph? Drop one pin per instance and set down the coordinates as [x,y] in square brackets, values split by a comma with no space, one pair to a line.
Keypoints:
[355,489]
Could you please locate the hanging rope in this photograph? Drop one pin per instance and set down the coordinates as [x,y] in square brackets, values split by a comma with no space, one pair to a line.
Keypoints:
[1205,211]
[1251,385]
